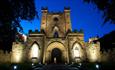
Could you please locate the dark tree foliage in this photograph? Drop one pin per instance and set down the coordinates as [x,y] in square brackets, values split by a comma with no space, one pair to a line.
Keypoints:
[108,8]
[107,42]
[11,12]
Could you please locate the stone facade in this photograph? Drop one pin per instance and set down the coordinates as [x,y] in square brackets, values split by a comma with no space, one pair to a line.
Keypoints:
[55,42]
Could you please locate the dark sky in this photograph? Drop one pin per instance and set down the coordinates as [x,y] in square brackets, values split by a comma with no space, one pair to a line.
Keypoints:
[83,16]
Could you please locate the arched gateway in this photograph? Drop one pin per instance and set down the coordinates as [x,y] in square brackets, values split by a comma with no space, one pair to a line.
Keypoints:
[56,56]
[56,53]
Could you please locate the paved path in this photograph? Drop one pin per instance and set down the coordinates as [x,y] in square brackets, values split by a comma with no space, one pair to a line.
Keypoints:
[55,67]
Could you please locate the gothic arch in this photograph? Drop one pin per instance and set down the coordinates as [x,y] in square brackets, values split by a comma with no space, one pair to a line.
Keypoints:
[52,46]
[55,30]
[36,44]
[35,51]
[76,42]
[76,51]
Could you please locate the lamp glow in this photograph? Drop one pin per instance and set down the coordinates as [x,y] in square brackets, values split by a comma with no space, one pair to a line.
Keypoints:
[32,64]
[15,67]
[17,53]
[97,66]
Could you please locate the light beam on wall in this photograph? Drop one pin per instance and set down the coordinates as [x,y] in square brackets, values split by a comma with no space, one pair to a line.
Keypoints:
[76,52]
[17,53]
[93,52]
[34,51]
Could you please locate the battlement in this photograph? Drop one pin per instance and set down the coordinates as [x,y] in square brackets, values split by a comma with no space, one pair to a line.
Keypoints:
[93,39]
[36,31]
[45,10]
[5,57]
[78,31]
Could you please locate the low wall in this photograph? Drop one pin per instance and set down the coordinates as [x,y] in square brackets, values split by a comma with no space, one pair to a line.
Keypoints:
[5,57]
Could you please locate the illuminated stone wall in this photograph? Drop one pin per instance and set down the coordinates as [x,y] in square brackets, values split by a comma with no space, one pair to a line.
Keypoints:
[108,56]
[5,57]
[17,52]
[93,52]
[76,40]
[37,38]
[40,44]
[60,20]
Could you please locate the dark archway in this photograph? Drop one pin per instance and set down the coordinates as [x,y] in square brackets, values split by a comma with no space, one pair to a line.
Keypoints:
[56,54]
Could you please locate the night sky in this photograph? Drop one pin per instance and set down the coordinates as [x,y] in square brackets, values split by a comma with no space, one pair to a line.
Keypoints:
[83,16]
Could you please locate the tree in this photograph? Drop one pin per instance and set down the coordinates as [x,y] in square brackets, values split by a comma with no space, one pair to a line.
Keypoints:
[11,12]
[107,42]
[108,8]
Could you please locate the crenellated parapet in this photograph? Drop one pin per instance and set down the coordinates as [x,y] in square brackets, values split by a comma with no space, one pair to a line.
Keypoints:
[34,32]
[5,57]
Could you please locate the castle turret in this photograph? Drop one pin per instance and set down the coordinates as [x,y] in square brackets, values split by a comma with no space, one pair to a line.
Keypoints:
[67,19]
[44,18]
[56,24]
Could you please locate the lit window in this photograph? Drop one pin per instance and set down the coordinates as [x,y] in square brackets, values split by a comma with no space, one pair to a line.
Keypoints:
[76,50]
[34,50]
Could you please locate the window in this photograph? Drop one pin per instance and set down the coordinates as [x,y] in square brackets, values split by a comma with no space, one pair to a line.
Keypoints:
[76,50]
[35,50]
[56,34]
[56,19]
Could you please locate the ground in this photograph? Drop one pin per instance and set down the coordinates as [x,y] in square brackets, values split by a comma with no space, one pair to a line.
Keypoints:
[80,66]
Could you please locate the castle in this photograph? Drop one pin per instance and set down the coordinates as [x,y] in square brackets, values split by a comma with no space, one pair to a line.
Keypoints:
[55,42]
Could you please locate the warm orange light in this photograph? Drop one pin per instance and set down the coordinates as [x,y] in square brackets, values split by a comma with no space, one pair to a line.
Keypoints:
[17,53]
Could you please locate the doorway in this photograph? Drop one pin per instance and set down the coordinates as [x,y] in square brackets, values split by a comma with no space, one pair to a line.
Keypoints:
[56,56]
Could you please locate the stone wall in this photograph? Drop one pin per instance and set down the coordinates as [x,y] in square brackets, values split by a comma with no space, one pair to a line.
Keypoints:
[17,55]
[105,56]
[5,57]
[108,56]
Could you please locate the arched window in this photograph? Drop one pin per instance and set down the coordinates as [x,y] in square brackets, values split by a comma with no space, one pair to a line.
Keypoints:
[56,34]
[35,51]
[56,19]
[76,50]
[55,30]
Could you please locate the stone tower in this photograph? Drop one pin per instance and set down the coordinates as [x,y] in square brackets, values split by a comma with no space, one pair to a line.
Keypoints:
[55,23]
